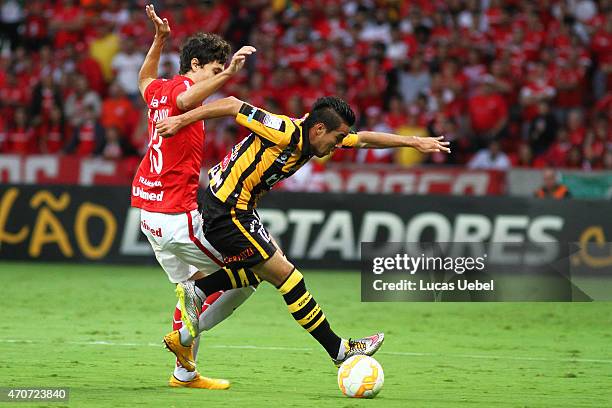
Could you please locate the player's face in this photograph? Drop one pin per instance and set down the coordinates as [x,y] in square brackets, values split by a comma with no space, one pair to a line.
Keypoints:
[202,73]
[323,142]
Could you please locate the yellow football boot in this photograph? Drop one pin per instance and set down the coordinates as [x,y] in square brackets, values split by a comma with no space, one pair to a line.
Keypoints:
[184,354]
[200,382]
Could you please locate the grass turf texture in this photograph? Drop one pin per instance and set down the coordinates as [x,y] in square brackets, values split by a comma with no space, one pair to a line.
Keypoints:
[435,354]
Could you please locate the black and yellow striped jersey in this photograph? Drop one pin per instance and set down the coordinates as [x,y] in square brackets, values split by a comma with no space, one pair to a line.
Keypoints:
[274,150]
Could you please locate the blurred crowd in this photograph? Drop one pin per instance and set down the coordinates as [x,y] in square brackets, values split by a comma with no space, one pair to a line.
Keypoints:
[510,83]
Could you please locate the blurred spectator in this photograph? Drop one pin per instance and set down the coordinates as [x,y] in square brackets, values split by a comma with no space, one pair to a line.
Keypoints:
[524,156]
[491,158]
[167,69]
[474,70]
[67,23]
[219,147]
[371,86]
[607,159]
[405,156]
[11,14]
[542,129]
[89,67]
[398,49]
[569,82]
[20,135]
[45,96]
[557,153]
[13,95]
[488,111]
[217,13]
[576,127]
[3,141]
[396,114]
[118,111]
[115,146]
[414,80]
[601,44]
[551,188]
[377,28]
[36,27]
[126,65]
[82,99]
[536,90]
[574,158]
[114,11]
[51,134]
[104,47]
[88,136]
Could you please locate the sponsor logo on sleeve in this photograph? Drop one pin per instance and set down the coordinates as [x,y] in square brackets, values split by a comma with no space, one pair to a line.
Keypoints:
[273,122]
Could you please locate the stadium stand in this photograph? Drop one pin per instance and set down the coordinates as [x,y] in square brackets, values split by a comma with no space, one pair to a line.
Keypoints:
[532,78]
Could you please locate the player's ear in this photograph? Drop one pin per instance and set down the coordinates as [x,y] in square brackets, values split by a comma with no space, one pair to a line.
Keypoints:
[320,129]
[195,63]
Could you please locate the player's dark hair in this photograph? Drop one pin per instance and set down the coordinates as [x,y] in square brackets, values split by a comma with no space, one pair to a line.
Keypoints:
[206,48]
[331,111]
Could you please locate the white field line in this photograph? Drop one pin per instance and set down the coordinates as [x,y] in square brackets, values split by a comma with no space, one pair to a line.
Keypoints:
[299,349]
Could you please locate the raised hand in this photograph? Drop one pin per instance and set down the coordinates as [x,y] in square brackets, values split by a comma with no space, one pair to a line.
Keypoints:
[162,28]
[432,144]
[239,58]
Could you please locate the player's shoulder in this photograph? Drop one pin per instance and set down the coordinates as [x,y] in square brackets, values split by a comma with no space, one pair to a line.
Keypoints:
[178,80]
[153,88]
[165,90]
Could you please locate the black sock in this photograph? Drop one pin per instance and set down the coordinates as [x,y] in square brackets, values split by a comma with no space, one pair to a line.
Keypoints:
[308,313]
[226,279]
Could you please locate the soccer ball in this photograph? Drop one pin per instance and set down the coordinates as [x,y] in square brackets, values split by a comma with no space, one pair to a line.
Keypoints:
[360,377]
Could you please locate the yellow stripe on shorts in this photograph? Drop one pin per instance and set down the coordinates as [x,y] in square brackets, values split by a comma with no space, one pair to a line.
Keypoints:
[249,237]
[231,276]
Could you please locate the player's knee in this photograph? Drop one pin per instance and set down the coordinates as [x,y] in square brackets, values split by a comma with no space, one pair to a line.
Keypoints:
[275,270]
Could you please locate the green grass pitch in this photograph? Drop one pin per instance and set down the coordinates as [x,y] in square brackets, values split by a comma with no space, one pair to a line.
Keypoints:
[97,329]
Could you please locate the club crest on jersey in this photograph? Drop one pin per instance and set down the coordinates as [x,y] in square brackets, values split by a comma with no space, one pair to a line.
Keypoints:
[282,159]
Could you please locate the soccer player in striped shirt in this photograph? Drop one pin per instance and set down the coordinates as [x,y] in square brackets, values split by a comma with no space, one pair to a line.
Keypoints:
[277,147]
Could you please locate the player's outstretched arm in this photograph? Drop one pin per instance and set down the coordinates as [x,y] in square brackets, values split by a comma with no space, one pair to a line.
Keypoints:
[229,106]
[195,95]
[148,71]
[369,140]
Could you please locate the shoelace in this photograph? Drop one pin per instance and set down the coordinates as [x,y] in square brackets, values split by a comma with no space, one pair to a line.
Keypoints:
[356,345]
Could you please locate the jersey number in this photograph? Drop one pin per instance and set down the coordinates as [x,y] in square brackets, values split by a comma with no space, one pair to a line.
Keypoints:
[155,154]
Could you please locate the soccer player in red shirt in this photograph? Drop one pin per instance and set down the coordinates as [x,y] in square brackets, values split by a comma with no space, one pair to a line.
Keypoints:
[166,182]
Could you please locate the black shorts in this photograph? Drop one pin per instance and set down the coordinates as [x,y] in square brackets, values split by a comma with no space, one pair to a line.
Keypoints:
[238,235]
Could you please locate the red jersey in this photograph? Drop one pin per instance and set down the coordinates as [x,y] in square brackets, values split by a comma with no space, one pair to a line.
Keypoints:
[486,111]
[21,140]
[168,176]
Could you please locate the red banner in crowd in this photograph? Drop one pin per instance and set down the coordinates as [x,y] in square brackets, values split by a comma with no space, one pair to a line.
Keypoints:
[393,179]
[50,169]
